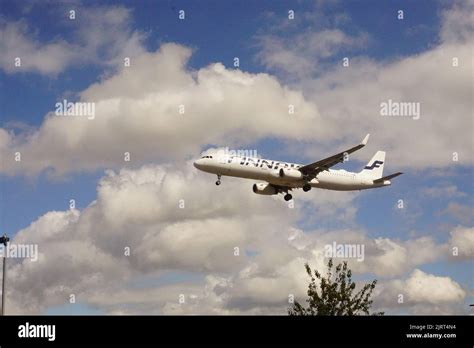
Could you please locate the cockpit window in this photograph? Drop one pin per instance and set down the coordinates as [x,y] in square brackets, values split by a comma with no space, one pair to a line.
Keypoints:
[206,157]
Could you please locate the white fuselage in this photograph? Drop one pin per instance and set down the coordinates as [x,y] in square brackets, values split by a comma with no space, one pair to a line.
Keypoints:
[268,170]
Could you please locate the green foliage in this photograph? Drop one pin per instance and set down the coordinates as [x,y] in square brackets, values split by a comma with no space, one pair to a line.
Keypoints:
[335,295]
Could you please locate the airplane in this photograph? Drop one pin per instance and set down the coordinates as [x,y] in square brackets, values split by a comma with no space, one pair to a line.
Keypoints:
[282,177]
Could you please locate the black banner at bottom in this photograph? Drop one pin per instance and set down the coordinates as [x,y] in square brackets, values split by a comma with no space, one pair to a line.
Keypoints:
[224,330]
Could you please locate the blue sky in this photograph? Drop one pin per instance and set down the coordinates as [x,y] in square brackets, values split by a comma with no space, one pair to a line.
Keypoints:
[218,31]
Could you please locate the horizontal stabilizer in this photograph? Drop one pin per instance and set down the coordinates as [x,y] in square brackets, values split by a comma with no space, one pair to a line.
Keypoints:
[388,177]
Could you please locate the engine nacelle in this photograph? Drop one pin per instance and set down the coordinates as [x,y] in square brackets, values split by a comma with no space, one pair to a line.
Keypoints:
[290,174]
[264,189]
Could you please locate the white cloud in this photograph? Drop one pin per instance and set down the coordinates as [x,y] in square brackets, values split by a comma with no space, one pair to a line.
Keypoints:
[100,35]
[442,129]
[48,58]
[137,111]
[304,54]
[392,258]
[422,293]
[349,98]
[458,22]
[83,253]
[383,257]
[462,238]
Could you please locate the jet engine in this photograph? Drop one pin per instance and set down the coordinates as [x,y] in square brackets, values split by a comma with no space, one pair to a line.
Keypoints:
[262,188]
[290,174]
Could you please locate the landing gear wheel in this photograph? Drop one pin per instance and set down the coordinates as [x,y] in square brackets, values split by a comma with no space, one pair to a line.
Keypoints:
[218,182]
[288,197]
[306,187]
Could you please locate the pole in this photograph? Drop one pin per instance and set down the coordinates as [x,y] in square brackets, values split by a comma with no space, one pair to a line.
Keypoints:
[4,240]
[3,283]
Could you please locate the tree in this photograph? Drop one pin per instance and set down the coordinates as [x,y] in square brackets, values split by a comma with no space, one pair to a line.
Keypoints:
[336,294]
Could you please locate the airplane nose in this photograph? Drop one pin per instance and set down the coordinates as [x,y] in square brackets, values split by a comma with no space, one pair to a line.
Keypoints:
[198,163]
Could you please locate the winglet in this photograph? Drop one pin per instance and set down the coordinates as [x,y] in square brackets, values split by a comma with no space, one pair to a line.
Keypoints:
[366,139]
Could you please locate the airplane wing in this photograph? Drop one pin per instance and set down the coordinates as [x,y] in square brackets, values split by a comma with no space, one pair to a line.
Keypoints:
[315,168]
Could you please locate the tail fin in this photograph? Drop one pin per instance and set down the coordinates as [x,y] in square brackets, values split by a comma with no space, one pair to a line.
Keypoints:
[374,168]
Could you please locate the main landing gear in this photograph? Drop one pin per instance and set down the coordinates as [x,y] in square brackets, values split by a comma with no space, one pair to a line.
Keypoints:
[288,197]
[218,182]
[306,187]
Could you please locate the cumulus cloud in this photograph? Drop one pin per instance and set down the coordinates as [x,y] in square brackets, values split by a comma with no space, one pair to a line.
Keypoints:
[34,56]
[171,219]
[369,85]
[137,111]
[422,293]
[384,257]
[439,79]
[243,258]
[390,258]
[458,22]
[306,44]
[100,35]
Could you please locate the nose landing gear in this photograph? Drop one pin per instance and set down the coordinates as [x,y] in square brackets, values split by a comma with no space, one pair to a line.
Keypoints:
[218,182]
